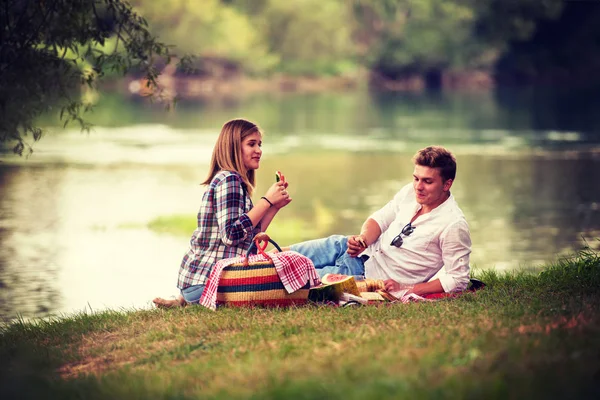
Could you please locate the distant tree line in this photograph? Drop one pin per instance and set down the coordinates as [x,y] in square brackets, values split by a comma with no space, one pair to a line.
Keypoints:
[393,39]
[50,49]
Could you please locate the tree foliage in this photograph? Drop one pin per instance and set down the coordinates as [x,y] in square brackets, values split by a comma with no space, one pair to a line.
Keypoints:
[562,51]
[50,49]
[501,21]
[299,37]
[209,28]
[403,37]
[309,36]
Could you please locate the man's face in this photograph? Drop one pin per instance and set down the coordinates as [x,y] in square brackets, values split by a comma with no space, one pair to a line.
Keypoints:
[430,190]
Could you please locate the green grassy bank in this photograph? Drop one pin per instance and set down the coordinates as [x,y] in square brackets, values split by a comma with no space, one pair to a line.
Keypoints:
[524,336]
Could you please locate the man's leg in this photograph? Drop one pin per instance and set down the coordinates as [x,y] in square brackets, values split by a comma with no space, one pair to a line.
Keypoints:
[329,256]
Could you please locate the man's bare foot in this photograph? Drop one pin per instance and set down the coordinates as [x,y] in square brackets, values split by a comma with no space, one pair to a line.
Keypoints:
[169,303]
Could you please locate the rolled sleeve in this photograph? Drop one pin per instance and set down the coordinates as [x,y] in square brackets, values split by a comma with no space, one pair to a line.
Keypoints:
[387,214]
[381,216]
[456,250]
[234,224]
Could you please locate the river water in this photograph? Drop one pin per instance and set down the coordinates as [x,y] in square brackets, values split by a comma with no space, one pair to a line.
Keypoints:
[75,215]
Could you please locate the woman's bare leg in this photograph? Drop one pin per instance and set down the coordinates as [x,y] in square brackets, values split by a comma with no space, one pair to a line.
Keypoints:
[169,303]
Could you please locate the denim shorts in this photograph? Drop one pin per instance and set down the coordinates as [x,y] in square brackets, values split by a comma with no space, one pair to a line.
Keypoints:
[329,256]
[192,294]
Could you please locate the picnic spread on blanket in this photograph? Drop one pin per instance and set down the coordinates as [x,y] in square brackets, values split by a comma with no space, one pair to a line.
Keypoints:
[287,278]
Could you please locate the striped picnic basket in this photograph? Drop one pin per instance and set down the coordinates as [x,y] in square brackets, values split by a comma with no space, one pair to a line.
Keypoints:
[257,283]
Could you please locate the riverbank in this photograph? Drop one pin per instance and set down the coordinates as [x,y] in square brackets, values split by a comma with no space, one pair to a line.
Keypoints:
[524,336]
[220,79]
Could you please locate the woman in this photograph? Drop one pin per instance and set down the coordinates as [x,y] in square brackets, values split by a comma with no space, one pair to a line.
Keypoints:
[227,220]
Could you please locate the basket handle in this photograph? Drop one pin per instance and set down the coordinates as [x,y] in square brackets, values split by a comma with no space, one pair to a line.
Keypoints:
[263,238]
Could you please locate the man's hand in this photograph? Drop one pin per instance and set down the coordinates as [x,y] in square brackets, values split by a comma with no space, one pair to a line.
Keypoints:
[397,287]
[356,245]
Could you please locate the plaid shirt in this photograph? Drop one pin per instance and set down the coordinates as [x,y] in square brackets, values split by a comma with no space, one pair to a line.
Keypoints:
[224,228]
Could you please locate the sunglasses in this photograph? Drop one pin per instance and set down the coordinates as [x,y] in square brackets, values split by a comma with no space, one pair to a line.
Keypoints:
[406,231]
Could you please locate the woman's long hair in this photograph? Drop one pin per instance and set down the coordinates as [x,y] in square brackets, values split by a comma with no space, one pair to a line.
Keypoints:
[227,154]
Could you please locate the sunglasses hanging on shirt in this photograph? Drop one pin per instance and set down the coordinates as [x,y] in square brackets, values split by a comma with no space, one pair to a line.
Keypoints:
[406,231]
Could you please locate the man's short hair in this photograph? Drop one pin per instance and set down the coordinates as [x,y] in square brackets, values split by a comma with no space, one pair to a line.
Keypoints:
[437,157]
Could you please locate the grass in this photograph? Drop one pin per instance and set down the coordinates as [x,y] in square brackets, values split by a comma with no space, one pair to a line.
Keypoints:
[524,336]
[290,230]
[182,225]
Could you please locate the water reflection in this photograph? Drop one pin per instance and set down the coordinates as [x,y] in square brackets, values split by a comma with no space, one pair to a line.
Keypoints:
[73,217]
[75,237]
[28,224]
[558,109]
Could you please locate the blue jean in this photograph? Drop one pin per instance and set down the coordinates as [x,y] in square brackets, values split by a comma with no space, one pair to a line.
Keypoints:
[329,256]
[192,294]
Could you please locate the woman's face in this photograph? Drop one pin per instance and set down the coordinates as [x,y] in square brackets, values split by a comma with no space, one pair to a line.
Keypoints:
[251,150]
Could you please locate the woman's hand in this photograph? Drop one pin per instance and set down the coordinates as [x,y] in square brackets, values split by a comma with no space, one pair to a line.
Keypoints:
[278,194]
[356,245]
[283,203]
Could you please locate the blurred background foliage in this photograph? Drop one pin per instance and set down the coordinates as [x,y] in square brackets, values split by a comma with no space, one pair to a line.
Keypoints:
[304,37]
[208,28]
[392,39]
[53,54]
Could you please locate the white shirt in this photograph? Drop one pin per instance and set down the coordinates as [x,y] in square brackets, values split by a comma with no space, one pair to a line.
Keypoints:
[441,239]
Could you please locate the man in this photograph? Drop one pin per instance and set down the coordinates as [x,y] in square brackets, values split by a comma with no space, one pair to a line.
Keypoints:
[407,242]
